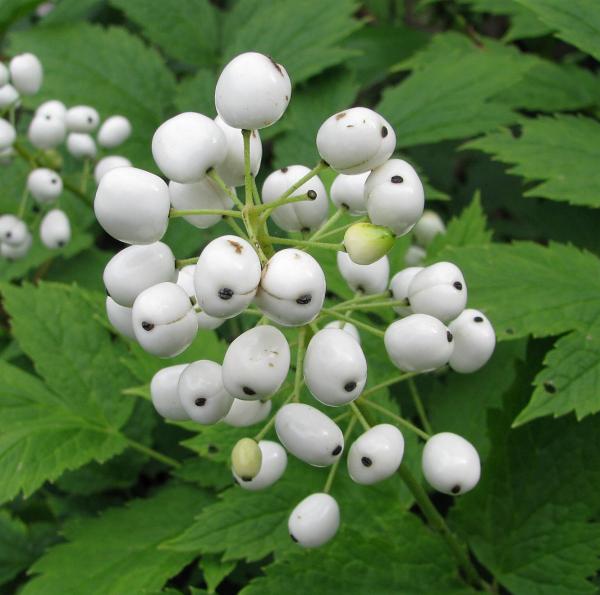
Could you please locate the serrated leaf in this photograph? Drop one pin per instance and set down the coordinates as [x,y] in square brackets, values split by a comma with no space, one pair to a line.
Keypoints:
[533,519]
[577,21]
[362,560]
[118,552]
[197,93]
[305,37]
[558,153]
[187,30]
[215,571]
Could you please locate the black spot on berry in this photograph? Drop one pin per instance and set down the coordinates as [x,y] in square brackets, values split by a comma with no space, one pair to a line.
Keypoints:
[48,117]
[457,285]
[311,194]
[225,293]
[248,391]
[90,119]
[455,489]
[449,336]
[147,326]
[337,450]
[212,448]
[349,386]
[360,289]
[8,234]
[384,131]
[366,461]
[478,319]
[60,243]
[293,538]
[276,65]
[345,206]
[284,170]
[246,478]
[549,387]
[304,299]
[200,402]
[340,115]
[397,179]
[54,181]
[35,209]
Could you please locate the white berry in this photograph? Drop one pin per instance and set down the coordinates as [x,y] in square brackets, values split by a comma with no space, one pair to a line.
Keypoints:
[232,167]
[438,290]
[418,343]
[114,132]
[247,413]
[132,205]
[272,467]
[26,73]
[164,394]
[348,192]
[356,140]
[52,109]
[345,326]
[16,251]
[204,194]
[474,341]
[46,133]
[164,320]
[226,276]
[186,146]
[309,434]
[256,363]
[107,163]
[450,464]
[120,317]
[297,216]
[315,520]
[8,134]
[292,288]
[414,256]
[55,229]
[427,227]
[364,278]
[9,96]
[82,118]
[81,145]
[399,288]
[45,185]
[185,279]
[395,196]
[202,393]
[13,230]
[252,92]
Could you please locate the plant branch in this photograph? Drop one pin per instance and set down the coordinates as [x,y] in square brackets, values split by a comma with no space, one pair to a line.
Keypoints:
[395,417]
[367,327]
[332,472]
[305,243]
[153,454]
[186,212]
[311,174]
[412,387]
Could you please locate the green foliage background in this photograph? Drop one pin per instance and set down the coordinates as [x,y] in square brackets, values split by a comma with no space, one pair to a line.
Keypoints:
[497,103]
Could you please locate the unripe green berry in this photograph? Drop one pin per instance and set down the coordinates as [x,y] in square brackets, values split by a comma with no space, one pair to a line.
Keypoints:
[365,243]
[246,459]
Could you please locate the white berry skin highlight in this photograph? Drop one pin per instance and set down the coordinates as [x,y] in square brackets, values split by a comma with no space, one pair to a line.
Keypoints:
[186,146]
[247,413]
[348,192]
[44,133]
[427,227]
[14,252]
[114,131]
[55,229]
[252,91]
[164,394]
[52,109]
[107,163]
[8,134]
[272,467]
[82,118]
[26,73]
[450,464]
[315,520]
[474,341]
[9,96]
[81,145]
[366,279]
[345,326]
[120,318]
[45,185]
[399,288]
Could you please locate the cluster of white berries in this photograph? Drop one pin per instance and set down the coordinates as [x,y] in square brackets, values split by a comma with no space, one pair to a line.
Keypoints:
[163,308]
[51,125]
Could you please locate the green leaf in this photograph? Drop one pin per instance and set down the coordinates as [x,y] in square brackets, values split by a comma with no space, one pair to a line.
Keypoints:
[187,30]
[215,571]
[13,10]
[407,559]
[119,551]
[107,68]
[305,37]
[557,152]
[577,21]
[197,93]
[533,519]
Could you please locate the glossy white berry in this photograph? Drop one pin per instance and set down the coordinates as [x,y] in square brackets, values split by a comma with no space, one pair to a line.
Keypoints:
[256,363]
[414,256]
[356,140]
[26,73]
[366,243]
[8,134]
[450,464]
[120,317]
[45,185]
[231,169]
[4,75]
[335,367]
[376,454]
[296,216]
[399,288]
[132,205]
[395,196]
[252,92]
[226,276]
[164,320]
[315,520]
[82,118]
[52,109]
[247,413]
[114,132]
[55,229]
[13,230]
[345,326]
[202,393]
[427,227]
[81,145]
[309,434]
[364,278]
[204,194]
[185,279]
[474,341]
[107,163]
[46,133]
[186,146]
[438,290]
[418,343]
[348,192]
[136,268]
[292,288]
[16,251]
[164,394]
[9,96]
[272,467]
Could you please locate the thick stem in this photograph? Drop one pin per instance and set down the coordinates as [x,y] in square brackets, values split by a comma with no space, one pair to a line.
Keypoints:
[236,228]
[332,472]
[414,393]
[328,224]
[186,212]
[299,362]
[266,208]
[306,243]
[311,174]
[153,454]
[182,262]
[358,323]
[396,418]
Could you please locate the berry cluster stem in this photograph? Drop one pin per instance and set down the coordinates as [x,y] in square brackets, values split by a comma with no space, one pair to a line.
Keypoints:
[305,243]
[414,393]
[367,327]
[311,174]
[395,417]
[299,362]
[333,471]
[328,224]
[185,212]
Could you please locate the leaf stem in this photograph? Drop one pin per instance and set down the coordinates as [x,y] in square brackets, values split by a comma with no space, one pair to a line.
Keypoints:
[395,417]
[414,393]
[153,454]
